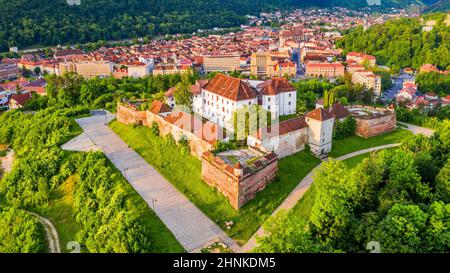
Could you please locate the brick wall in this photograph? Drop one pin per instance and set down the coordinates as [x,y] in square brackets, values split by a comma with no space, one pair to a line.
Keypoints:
[369,127]
[129,115]
[239,185]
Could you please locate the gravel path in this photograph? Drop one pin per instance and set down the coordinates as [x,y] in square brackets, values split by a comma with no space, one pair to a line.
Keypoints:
[51,233]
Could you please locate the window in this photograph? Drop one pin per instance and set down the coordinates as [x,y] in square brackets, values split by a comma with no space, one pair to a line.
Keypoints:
[269,107]
[289,103]
[290,95]
[249,103]
[268,99]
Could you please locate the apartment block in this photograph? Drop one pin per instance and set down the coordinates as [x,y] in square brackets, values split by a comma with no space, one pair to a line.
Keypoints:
[221,63]
[328,70]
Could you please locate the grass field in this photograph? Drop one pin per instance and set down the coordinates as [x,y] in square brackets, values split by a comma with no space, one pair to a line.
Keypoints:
[184,172]
[356,143]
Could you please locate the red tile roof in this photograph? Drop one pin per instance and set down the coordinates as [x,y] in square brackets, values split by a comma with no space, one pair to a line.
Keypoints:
[207,131]
[21,99]
[231,88]
[158,107]
[338,111]
[319,114]
[276,86]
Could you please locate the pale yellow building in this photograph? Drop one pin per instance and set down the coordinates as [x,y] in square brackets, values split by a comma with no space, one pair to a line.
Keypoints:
[87,69]
[221,63]
[268,64]
[368,79]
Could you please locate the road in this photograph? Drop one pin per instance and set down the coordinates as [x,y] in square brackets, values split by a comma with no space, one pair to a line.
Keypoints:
[193,229]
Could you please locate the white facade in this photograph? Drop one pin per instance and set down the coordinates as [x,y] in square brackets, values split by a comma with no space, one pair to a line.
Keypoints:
[139,71]
[218,109]
[320,135]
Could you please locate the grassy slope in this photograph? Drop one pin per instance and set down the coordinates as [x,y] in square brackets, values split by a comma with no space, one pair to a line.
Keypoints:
[184,172]
[356,143]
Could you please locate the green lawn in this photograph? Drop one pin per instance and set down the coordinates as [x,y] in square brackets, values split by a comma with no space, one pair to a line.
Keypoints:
[184,172]
[356,143]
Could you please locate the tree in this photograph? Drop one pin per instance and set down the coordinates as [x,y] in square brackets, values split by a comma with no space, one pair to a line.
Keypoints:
[286,233]
[443,183]
[182,94]
[19,232]
[331,217]
[401,230]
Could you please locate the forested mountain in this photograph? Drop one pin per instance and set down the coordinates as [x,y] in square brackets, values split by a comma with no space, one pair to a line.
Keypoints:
[404,42]
[441,5]
[51,22]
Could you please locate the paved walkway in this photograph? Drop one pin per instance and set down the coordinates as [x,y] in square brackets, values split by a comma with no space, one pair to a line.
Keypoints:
[7,161]
[191,227]
[418,130]
[300,190]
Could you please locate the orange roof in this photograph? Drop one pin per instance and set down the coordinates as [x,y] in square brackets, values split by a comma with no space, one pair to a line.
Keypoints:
[158,107]
[231,88]
[276,86]
[319,114]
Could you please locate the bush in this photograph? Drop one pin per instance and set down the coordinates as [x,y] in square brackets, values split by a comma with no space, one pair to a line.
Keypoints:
[222,146]
[155,128]
[345,128]
[19,232]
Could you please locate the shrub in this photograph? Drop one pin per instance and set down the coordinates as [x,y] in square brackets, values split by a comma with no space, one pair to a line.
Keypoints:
[19,232]
[345,128]
[155,128]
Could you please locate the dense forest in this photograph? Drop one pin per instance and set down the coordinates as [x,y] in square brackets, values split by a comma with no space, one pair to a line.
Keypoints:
[397,199]
[403,43]
[52,22]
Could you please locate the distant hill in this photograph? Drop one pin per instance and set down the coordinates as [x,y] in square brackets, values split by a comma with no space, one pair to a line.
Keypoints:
[404,42]
[441,5]
[50,22]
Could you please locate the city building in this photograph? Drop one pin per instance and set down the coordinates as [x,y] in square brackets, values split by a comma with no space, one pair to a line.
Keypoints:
[270,64]
[368,79]
[361,58]
[87,69]
[9,71]
[221,63]
[17,101]
[169,69]
[221,96]
[278,96]
[290,136]
[327,70]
